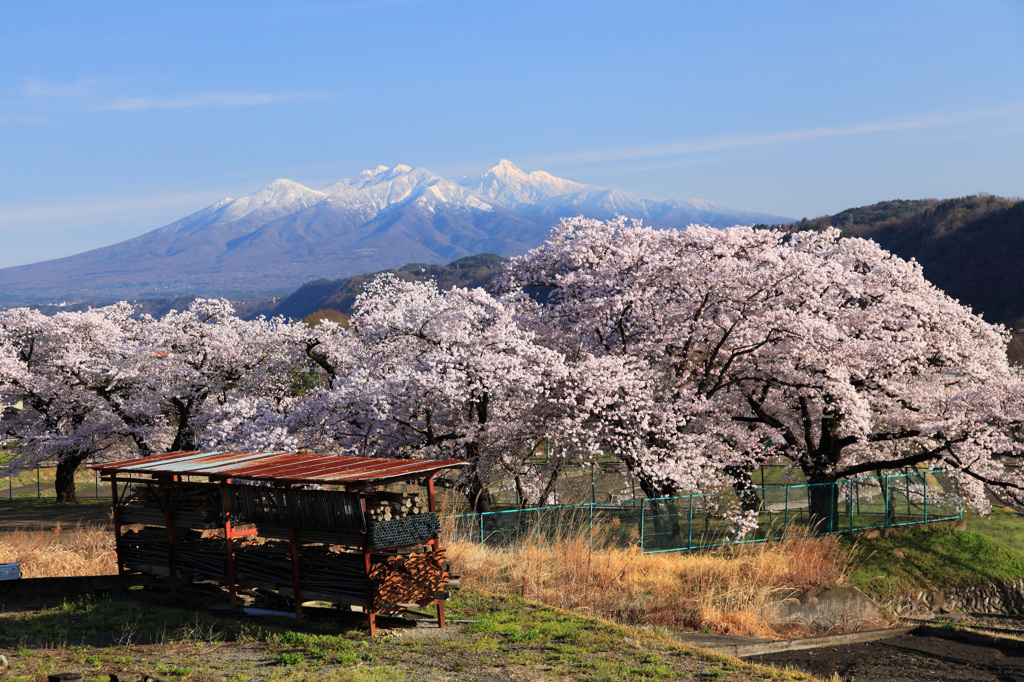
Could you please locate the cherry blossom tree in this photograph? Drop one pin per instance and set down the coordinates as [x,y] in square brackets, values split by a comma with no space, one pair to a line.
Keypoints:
[211,363]
[48,365]
[104,382]
[708,343]
[437,374]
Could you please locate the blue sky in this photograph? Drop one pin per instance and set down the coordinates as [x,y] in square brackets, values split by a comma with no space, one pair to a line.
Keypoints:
[117,118]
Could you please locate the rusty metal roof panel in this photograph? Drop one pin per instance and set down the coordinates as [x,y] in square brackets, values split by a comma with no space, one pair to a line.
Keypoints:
[153,460]
[280,467]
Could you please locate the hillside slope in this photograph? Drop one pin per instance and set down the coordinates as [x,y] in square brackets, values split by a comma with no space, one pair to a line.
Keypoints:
[971,247]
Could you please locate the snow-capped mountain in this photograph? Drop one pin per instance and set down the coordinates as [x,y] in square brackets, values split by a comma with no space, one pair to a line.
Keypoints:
[284,234]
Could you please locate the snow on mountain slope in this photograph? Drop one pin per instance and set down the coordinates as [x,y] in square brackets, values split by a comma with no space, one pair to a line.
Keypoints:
[278,237]
[510,187]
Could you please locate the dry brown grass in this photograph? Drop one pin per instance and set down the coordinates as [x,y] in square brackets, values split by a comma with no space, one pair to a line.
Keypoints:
[83,550]
[729,592]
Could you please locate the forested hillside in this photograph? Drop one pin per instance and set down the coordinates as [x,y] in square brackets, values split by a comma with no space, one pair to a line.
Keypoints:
[972,247]
[340,294]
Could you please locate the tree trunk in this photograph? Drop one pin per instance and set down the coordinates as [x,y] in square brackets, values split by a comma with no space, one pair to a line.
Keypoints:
[664,517]
[890,504]
[185,436]
[477,496]
[64,483]
[823,498]
[745,490]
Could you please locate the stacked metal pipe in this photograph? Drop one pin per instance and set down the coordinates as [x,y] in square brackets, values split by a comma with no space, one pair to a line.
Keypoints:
[190,507]
[411,530]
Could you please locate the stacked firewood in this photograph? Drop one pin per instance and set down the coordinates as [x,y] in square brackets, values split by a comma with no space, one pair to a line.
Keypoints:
[384,506]
[413,578]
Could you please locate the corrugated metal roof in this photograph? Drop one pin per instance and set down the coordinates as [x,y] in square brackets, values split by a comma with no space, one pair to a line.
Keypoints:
[280,467]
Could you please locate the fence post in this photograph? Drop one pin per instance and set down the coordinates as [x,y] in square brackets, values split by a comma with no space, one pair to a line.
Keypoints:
[39,493]
[591,521]
[642,505]
[925,477]
[481,514]
[689,526]
[849,504]
[785,517]
[885,499]
[906,487]
[593,492]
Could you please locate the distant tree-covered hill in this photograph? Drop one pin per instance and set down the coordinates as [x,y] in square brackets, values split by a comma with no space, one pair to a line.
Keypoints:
[972,247]
[340,294]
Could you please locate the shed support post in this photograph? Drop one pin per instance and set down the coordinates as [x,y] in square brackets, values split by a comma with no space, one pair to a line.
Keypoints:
[229,549]
[121,581]
[169,528]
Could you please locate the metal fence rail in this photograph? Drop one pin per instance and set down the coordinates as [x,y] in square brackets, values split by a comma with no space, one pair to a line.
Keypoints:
[689,522]
[37,482]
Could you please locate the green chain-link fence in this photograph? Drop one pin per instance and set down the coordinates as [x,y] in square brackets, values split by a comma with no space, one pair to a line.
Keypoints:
[701,521]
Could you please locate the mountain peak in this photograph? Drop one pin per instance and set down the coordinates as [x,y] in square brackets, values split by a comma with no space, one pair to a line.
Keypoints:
[505,168]
[508,186]
[281,197]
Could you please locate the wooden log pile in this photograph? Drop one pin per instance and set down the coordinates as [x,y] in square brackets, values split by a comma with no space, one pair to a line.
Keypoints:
[384,506]
[418,578]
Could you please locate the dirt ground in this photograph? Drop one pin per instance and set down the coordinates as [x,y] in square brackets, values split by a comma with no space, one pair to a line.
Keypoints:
[909,658]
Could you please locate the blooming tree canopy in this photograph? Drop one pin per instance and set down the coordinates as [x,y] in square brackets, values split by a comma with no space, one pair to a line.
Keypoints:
[716,342]
[102,382]
[438,374]
[75,394]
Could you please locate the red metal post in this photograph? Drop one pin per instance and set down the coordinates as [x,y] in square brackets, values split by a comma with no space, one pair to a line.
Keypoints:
[367,565]
[370,610]
[117,534]
[435,543]
[228,541]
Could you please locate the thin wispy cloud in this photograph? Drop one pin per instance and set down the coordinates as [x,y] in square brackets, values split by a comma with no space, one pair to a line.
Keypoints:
[703,146]
[83,86]
[205,100]
[93,94]
[55,213]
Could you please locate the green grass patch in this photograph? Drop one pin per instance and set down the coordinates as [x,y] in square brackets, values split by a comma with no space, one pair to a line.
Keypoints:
[928,558]
[1003,525]
[185,640]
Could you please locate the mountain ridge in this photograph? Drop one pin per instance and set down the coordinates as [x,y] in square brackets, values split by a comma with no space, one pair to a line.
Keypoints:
[283,234]
[970,247]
